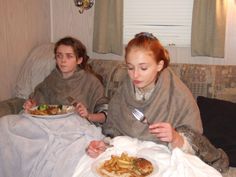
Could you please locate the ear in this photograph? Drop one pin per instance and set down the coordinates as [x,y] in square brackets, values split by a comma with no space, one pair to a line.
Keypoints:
[160,65]
[79,60]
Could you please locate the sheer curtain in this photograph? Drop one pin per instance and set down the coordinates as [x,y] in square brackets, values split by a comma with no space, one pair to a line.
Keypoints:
[230,42]
[108,27]
[208,28]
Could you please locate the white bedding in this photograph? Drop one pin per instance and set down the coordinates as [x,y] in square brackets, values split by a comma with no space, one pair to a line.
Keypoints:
[34,147]
[166,163]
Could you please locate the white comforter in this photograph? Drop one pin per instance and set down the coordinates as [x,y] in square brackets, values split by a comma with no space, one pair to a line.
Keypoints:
[34,147]
[166,163]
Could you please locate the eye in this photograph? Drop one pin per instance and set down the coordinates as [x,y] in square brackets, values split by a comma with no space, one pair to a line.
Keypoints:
[59,56]
[70,56]
[144,68]
[129,67]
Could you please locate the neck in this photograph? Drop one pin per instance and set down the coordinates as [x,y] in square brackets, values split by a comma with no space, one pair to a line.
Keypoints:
[147,88]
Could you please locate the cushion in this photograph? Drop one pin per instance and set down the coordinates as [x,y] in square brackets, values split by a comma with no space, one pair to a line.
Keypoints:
[112,72]
[37,66]
[116,79]
[219,124]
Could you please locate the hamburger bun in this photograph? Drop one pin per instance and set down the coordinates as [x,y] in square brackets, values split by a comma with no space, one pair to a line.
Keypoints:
[144,166]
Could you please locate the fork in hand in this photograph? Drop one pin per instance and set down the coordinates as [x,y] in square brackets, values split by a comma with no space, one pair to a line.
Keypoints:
[72,101]
[140,116]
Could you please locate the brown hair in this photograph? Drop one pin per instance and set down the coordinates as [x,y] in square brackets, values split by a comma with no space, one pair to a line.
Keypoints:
[78,48]
[80,51]
[149,42]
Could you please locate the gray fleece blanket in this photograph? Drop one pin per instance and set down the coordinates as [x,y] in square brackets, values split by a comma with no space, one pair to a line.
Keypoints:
[83,86]
[34,147]
[171,101]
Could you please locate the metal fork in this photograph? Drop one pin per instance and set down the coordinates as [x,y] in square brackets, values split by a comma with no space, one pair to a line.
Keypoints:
[72,101]
[140,116]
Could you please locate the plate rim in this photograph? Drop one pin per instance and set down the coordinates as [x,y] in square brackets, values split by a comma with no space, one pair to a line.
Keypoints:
[72,111]
[95,165]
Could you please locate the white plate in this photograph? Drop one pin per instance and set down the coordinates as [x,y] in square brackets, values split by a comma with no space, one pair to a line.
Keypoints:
[97,163]
[66,109]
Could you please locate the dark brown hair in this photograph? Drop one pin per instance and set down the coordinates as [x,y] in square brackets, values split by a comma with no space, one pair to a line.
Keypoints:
[149,42]
[78,48]
[80,51]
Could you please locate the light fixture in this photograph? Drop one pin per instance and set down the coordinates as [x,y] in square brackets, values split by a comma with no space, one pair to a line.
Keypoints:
[84,4]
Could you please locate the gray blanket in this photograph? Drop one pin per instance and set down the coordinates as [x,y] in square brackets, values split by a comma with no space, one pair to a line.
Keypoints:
[34,147]
[171,101]
[82,85]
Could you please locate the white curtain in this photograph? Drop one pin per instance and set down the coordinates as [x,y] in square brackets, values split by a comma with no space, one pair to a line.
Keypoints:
[108,27]
[208,28]
[230,41]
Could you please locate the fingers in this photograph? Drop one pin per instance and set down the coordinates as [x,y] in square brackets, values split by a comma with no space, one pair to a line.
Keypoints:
[91,153]
[163,131]
[82,110]
[95,148]
[29,104]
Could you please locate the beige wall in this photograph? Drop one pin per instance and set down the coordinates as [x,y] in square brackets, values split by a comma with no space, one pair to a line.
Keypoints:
[66,20]
[24,24]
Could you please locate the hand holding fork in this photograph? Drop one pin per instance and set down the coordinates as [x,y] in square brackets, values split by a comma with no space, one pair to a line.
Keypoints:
[80,108]
[162,130]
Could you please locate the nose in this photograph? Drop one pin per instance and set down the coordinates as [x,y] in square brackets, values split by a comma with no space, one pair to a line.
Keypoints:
[63,58]
[135,73]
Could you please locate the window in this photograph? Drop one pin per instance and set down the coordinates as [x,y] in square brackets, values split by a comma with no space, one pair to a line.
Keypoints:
[169,20]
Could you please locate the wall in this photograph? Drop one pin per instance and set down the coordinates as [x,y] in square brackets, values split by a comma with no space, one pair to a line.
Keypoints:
[66,20]
[24,24]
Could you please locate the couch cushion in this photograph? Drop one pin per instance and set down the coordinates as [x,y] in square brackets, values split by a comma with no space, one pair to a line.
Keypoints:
[219,124]
[104,68]
[37,66]
[112,72]
[116,79]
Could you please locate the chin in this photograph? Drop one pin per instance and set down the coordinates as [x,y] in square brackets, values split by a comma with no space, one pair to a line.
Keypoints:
[139,86]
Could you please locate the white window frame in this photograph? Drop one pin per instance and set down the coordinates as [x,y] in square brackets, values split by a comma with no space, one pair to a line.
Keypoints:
[169,20]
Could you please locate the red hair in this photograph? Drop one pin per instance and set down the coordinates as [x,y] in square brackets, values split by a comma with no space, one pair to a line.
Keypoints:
[150,43]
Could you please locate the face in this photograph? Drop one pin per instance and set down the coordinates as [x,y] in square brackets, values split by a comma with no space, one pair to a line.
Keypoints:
[66,60]
[142,68]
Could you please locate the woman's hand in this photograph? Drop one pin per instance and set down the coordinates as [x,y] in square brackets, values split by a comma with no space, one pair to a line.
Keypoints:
[29,104]
[165,132]
[95,148]
[82,110]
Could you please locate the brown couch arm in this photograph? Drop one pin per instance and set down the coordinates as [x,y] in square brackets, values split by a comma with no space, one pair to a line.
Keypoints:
[11,106]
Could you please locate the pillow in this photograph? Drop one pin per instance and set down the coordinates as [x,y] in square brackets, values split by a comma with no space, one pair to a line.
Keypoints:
[219,124]
[37,66]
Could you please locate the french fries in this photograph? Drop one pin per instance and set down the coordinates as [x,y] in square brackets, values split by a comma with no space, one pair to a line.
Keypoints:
[122,166]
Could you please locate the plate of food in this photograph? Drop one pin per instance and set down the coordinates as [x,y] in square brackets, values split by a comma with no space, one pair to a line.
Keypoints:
[124,165]
[50,111]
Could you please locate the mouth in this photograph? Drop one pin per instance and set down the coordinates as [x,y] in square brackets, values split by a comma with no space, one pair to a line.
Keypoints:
[62,66]
[136,82]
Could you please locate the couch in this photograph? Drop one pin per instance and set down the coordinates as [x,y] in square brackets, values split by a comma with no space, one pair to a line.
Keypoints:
[213,86]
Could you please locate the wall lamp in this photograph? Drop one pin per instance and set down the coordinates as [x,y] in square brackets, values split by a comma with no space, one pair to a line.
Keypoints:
[84,4]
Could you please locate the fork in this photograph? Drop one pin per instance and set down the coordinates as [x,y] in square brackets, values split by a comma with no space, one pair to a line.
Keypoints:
[140,116]
[72,101]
